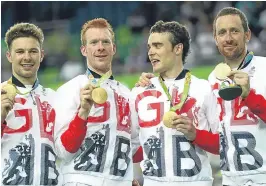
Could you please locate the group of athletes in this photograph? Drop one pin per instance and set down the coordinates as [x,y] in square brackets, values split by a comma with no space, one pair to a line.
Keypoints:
[91,130]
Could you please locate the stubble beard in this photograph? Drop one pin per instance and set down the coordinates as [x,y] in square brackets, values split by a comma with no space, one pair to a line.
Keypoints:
[232,55]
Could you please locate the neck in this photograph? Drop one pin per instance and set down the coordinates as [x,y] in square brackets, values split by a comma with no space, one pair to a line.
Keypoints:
[100,72]
[234,63]
[173,72]
[25,81]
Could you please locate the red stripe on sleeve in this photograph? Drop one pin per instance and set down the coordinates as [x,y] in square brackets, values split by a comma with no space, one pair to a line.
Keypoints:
[257,104]
[72,138]
[207,141]
[138,156]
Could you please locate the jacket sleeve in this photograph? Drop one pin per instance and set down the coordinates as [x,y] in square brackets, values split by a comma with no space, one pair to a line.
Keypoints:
[134,127]
[257,104]
[207,141]
[207,137]
[70,130]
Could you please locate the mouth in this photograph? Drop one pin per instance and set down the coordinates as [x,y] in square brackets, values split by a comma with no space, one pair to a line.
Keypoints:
[154,62]
[101,56]
[229,46]
[27,66]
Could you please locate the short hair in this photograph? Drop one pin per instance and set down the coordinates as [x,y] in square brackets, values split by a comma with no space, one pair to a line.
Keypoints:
[179,34]
[96,23]
[23,30]
[231,11]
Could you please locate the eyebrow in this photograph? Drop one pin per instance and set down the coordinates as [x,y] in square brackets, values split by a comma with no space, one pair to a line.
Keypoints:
[155,43]
[231,28]
[24,49]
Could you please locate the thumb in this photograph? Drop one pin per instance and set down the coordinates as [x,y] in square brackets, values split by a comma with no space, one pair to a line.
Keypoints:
[150,75]
[3,91]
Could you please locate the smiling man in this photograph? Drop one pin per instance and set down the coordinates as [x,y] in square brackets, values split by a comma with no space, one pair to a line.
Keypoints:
[242,149]
[94,139]
[27,120]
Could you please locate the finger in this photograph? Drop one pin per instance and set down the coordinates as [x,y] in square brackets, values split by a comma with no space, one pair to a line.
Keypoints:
[88,86]
[182,126]
[3,91]
[150,75]
[142,84]
[178,122]
[184,131]
[87,97]
[86,92]
[145,82]
[146,77]
[6,99]
[137,85]
[177,117]
[233,72]
[135,183]
[7,105]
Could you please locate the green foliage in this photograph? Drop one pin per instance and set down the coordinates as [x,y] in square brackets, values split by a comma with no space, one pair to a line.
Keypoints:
[50,77]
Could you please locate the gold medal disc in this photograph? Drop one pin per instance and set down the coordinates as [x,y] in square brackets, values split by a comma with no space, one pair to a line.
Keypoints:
[11,90]
[221,71]
[168,118]
[99,95]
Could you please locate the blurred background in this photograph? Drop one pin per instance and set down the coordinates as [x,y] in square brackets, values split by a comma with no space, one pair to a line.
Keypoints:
[62,21]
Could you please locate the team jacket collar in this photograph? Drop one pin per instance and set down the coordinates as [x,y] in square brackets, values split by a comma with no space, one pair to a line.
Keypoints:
[95,75]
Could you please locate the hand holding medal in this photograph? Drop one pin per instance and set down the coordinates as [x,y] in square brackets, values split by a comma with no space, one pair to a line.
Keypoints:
[99,95]
[170,115]
[10,90]
[8,94]
[229,90]
[239,85]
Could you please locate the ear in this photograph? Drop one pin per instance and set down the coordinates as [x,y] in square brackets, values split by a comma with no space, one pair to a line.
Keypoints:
[42,55]
[178,49]
[8,56]
[248,36]
[83,50]
[114,49]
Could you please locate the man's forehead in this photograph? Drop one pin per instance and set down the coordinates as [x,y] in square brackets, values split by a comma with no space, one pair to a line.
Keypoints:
[92,33]
[228,21]
[25,42]
[158,37]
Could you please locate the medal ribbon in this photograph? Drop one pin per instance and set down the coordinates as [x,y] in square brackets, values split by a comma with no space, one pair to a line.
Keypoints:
[18,91]
[96,83]
[184,94]
[246,61]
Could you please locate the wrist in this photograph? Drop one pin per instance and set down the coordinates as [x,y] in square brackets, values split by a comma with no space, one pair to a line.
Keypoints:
[83,113]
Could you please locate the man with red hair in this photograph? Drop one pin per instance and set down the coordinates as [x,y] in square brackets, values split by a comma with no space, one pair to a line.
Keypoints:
[93,125]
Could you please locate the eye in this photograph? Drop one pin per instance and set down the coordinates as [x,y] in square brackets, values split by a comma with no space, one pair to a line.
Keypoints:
[221,32]
[93,42]
[106,41]
[157,45]
[34,51]
[235,31]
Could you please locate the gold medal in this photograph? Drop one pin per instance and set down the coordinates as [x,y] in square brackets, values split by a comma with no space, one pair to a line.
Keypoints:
[222,71]
[99,95]
[11,90]
[168,118]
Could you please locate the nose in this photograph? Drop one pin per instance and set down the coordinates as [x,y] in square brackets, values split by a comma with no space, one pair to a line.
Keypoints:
[27,56]
[150,52]
[100,46]
[228,37]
